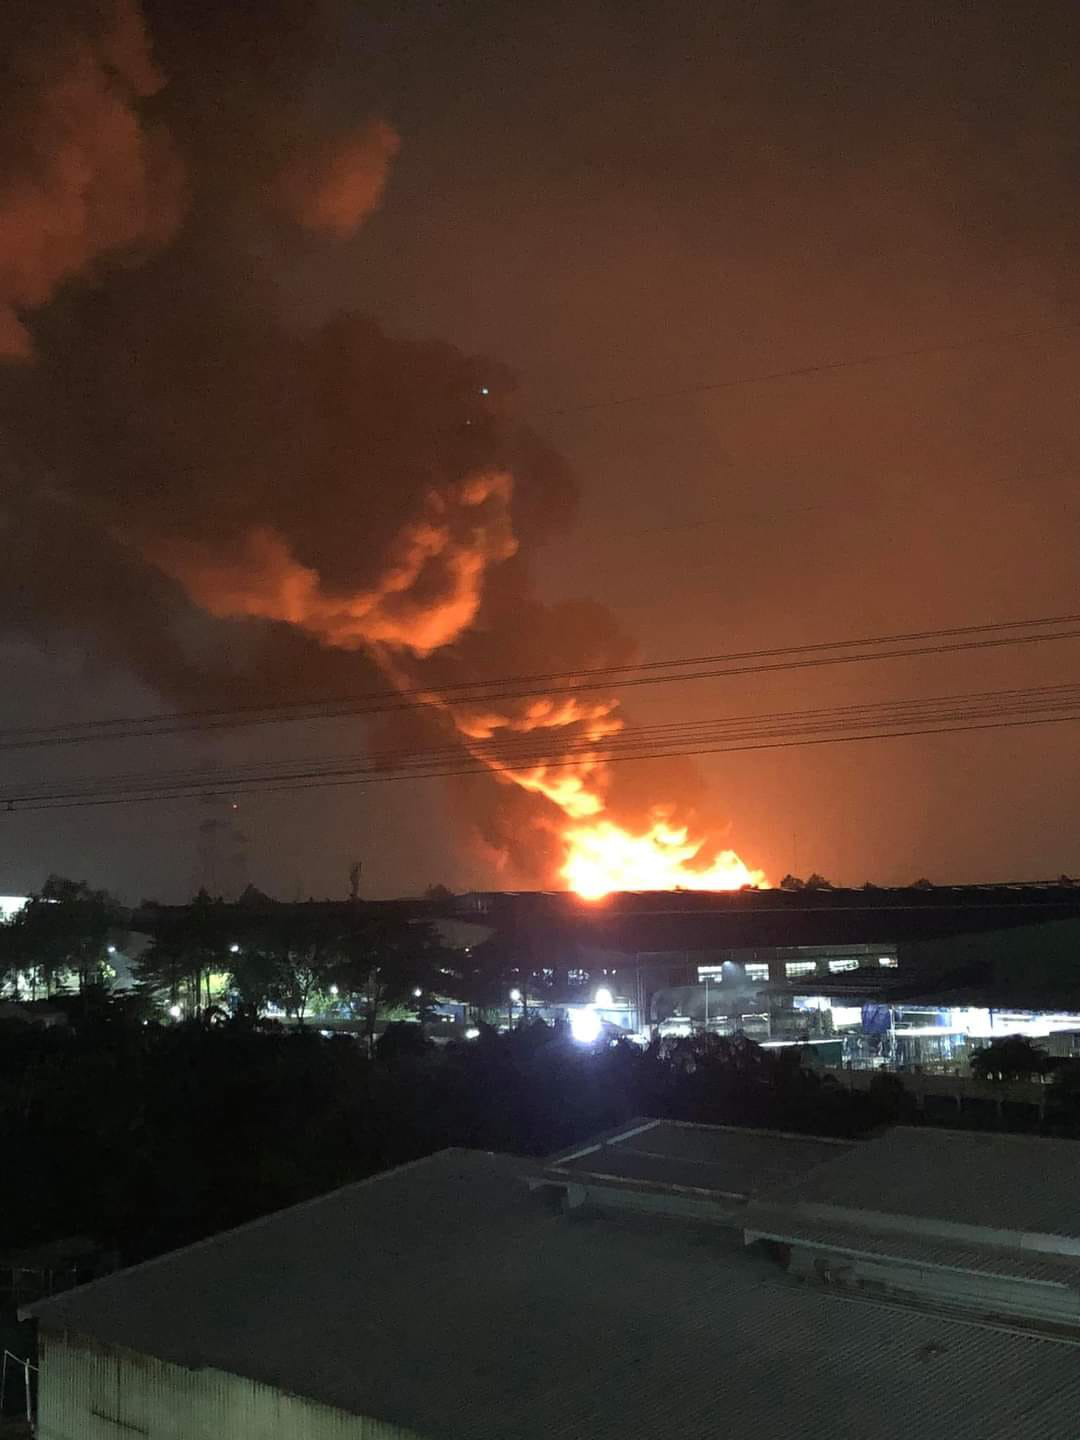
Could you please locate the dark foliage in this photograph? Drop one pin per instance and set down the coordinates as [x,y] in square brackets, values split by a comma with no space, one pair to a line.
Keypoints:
[148,1136]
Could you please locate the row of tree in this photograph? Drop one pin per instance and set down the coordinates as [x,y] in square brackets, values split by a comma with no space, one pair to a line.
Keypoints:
[60,938]
[242,957]
[297,958]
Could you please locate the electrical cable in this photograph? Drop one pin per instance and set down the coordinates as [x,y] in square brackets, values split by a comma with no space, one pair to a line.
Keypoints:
[910,718]
[607,677]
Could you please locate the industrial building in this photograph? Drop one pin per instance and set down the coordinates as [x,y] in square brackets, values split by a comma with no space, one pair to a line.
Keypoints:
[869,978]
[663,1280]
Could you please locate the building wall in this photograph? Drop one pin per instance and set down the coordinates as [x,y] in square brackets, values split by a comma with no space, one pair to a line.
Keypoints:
[88,1391]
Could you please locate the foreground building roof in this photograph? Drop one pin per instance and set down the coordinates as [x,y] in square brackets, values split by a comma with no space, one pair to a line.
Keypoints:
[449,1299]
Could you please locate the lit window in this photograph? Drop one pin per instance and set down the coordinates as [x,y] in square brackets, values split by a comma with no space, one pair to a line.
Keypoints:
[794,968]
[836,966]
[890,962]
[759,972]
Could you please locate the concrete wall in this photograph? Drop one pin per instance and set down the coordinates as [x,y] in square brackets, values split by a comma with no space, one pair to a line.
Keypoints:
[89,1391]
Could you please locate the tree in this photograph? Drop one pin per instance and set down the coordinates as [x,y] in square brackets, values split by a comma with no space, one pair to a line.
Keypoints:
[189,946]
[61,933]
[1011,1058]
[385,960]
[399,1041]
[255,975]
[308,948]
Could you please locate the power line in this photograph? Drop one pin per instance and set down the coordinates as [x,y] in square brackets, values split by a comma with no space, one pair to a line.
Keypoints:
[546,745]
[374,779]
[589,679]
[939,715]
[799,372]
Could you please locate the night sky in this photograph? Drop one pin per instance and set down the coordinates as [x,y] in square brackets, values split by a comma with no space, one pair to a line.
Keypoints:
[579,203]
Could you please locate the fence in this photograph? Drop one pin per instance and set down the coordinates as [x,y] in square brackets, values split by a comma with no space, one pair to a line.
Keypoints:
[12,1382]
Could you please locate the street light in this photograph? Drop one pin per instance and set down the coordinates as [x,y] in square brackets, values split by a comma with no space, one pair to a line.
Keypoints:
[333,989]
[515,996]
[586,1026]
[604,998]
[417,992]
[234,949]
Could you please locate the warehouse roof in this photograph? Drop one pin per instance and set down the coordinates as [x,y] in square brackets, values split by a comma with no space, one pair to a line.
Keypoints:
[721,1160]
[445,1298]
[941,1178]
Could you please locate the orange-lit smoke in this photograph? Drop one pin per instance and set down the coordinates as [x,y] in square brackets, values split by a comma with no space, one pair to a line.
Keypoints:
[602,856]
[332,186]
[427,594]
[81,176]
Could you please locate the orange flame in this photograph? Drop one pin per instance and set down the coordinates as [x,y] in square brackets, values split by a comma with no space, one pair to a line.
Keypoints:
[605,857]
[429,594]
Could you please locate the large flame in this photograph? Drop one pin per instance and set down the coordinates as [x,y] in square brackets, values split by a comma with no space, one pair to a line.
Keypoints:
[427,595]
[605,857]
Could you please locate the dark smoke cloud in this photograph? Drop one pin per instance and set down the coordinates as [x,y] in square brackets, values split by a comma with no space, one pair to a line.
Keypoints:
[232,508]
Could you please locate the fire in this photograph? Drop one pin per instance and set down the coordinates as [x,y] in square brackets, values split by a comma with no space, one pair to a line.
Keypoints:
[426,597]
[605,857]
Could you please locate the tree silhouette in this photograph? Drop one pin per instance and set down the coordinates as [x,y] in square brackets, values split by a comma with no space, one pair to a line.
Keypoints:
[189,946]
[1011,1058]
[60,936]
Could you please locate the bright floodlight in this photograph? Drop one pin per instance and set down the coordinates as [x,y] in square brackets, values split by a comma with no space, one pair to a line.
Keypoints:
[515,995]
[472,1033]
[176,1011]
[111,949]
[585,1025]
[604,998]
[333,990]
[234,949]
[417,992]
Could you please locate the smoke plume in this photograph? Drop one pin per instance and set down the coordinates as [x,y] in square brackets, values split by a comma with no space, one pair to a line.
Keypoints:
[334,185]
[83,175]
[236,509]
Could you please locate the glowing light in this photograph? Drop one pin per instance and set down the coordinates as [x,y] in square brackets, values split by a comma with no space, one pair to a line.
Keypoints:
[333,989]
[515,996]
[605,857]
[417,992]
[111,949]
[585,1025]
[176,1011]
[472,1033]
[604,998]
[234,949]
[484,390]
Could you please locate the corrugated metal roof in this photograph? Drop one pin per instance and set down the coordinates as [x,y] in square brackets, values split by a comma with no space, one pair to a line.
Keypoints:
[1005,1182]
[444,1298]
[780,1223]
[725,1159]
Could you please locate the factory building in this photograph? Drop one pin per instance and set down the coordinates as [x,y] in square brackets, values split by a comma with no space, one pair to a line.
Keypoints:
[663,1280]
